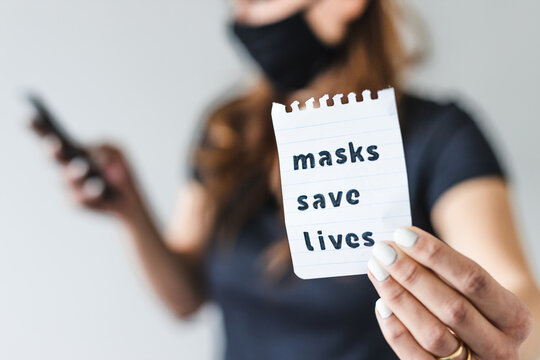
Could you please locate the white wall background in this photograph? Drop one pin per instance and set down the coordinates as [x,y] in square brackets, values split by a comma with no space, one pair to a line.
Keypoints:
[141,73]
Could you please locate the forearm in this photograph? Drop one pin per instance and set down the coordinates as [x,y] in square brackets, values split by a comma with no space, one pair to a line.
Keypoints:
[175,277]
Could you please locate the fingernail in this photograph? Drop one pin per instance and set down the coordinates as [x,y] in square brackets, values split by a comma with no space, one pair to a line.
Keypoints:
[377,270]
[384,253]
[405,237]
[78,168]
[383,310]
[93,187]
[52,144]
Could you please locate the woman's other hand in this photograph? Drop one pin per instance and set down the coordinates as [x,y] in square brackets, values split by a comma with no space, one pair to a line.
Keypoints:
[88,191]
[427,288]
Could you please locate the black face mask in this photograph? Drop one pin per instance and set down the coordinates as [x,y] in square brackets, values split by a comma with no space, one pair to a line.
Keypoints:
[288,51]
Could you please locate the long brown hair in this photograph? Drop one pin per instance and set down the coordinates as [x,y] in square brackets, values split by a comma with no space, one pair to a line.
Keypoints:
[236,156]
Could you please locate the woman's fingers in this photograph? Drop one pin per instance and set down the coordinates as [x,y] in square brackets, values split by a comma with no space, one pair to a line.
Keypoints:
[451,308]
[77,169]
[112,164]
[86,190]
[428,331]
[53,146]
[397,335]
[420,275]
[496,303]
[93,188]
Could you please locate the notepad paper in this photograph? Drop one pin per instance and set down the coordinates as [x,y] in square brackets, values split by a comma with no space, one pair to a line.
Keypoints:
[343,179]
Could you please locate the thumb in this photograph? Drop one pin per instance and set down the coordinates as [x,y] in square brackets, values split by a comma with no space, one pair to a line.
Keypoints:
[110,161]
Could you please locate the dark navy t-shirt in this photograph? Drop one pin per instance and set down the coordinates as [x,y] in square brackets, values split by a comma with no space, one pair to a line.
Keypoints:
[323,319]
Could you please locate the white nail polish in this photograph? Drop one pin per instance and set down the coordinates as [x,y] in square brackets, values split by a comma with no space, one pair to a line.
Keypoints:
[377,270]
[384,253]
[78,168]
[93,187]
[405,237]
[383,310]
[52,144]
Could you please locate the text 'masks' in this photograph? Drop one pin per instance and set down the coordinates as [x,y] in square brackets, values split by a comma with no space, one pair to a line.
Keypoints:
[344,181]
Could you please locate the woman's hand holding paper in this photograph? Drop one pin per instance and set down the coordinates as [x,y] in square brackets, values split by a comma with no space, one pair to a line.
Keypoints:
[433,297]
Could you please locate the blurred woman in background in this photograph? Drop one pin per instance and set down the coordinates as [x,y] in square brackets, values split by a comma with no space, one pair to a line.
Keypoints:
[465,297]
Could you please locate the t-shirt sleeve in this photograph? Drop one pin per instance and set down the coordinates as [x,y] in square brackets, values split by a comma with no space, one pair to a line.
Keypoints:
[462,153]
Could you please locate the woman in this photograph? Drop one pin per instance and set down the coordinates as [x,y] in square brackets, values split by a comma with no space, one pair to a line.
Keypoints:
[455,299]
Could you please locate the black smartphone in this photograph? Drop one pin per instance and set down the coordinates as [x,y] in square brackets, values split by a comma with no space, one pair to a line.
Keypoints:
[45,124]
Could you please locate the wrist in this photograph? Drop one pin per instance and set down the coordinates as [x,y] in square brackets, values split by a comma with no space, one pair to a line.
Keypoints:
[133,214]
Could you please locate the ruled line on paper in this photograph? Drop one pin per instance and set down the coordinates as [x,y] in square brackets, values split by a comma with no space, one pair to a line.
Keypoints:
[343,178]
[399,157]
[349,221]
[338,136]
[331,137]
[368,190]
[333,263]
[361,205]
[338,122]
